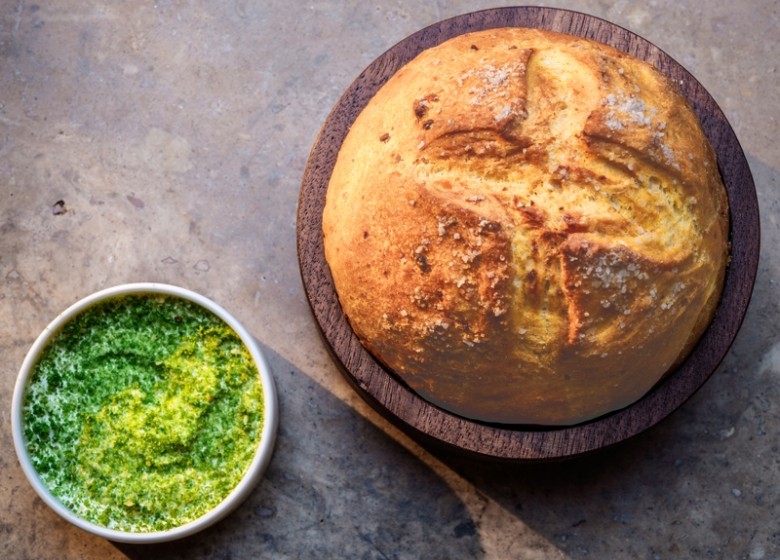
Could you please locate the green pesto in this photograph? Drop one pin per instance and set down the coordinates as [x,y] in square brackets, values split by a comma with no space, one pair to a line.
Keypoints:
[143,413]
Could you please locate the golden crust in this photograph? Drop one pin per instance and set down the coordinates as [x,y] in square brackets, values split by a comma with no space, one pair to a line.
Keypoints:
[527,227]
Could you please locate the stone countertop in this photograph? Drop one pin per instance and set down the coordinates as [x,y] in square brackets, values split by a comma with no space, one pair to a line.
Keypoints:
[166,142]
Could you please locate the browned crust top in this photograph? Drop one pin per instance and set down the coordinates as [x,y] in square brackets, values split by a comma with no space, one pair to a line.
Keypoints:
[527,227]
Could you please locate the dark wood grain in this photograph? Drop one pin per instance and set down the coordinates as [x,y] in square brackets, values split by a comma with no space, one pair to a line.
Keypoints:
[431,425]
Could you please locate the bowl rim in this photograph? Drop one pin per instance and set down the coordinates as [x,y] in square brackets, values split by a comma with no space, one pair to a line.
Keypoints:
[256,468]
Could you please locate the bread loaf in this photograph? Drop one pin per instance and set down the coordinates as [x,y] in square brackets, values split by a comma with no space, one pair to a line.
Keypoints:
[527,227]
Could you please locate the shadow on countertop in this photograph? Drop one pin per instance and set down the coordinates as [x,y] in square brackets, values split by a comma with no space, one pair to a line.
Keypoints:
[704,483]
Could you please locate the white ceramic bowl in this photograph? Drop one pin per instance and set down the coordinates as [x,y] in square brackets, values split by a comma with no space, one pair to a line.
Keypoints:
[239,493]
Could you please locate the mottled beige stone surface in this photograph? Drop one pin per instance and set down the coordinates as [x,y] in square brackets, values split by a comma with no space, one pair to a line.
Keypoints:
[176,134]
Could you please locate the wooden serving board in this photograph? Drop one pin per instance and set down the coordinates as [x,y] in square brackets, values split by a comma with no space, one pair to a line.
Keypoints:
[434,426]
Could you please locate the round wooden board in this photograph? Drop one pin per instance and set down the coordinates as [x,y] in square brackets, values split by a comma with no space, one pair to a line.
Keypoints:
[432,425]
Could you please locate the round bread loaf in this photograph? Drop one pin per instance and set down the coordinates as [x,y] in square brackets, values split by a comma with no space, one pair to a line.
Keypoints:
[527,227]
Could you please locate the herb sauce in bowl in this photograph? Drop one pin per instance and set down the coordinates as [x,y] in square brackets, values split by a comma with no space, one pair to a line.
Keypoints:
[143,413]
